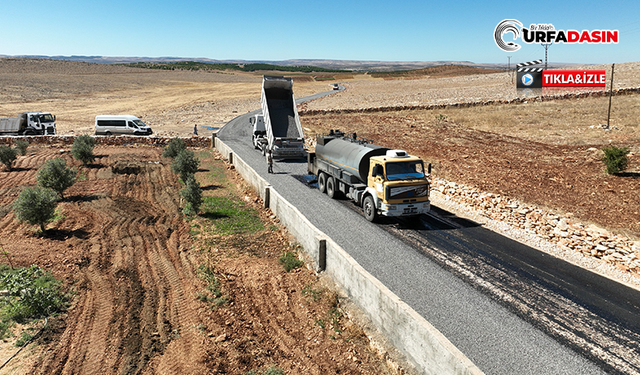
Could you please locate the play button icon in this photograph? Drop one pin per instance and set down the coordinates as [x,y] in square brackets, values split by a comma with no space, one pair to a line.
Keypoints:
[527,79]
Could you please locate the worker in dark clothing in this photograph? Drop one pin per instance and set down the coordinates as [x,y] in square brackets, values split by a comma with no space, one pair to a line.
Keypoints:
[270,161]
[195,129]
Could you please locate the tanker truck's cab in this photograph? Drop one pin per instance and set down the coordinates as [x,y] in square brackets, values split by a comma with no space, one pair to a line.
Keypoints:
[382,181]
[397,185]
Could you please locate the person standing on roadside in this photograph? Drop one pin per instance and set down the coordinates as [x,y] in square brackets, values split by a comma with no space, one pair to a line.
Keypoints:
[270,161]
[195,129]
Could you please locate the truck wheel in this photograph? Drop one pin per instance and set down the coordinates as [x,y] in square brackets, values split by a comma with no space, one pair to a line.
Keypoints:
[369,208]
[322,182]
[107,133]
[331,188]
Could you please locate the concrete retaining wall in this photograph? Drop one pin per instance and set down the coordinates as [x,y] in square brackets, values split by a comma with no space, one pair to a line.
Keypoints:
[428,350]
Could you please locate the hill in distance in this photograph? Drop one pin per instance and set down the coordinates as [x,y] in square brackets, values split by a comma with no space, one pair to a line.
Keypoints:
[352,65]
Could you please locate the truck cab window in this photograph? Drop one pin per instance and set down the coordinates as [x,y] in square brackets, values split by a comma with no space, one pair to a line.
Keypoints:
[404,170]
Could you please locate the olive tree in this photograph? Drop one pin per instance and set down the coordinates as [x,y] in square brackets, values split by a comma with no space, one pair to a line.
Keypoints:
[185,164]
[82,149]
[7,156]
[174,147]
[57,176]
[21,146]
[36,206]
[192,193]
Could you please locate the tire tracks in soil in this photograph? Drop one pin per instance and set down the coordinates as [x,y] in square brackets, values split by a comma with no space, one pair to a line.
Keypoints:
[136,310]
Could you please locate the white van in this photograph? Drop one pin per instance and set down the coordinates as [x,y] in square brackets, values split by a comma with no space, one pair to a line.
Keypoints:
[121,124]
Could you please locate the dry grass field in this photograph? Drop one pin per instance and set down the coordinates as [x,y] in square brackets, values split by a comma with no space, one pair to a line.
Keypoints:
[171,102]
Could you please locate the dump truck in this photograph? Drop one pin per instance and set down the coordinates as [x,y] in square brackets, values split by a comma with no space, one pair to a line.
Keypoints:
[383,181]
[29,123]
[284,135]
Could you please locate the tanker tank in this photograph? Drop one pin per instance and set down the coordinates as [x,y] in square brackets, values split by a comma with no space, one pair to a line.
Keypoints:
[384,182]
[348,153]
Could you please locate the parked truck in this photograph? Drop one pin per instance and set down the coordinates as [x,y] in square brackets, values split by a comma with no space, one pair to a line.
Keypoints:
[259,133]
[284,136]
[29,123]
[384,182]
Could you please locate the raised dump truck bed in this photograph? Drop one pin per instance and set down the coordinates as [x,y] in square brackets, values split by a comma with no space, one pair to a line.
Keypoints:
[284,131]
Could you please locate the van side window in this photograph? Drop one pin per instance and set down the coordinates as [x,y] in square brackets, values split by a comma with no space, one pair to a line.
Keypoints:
[111,123]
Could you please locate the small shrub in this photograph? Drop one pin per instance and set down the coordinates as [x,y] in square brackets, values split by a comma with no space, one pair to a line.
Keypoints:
[290,261]
[185,164]
[7,156]
[25,338]
[192,193]
[55,175]
[213,288]
[31,293]
[82,149]
[36,206]
[174,147]
[21,146]
[615,159]
[440,118]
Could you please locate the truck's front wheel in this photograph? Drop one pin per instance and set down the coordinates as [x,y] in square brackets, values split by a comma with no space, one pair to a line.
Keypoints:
[322,182]
[369,208]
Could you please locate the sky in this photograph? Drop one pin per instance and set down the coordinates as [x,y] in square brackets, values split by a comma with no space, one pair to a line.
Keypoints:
[276,30]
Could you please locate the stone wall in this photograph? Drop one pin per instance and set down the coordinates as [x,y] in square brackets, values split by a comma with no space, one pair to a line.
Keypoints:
[193,141]
[565,231]
[541,98]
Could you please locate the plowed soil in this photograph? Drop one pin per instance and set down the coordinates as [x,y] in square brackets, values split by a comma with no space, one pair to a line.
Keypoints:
[124,249]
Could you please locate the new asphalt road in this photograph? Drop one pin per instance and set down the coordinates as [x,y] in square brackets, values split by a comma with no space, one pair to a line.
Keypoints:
[509,308]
